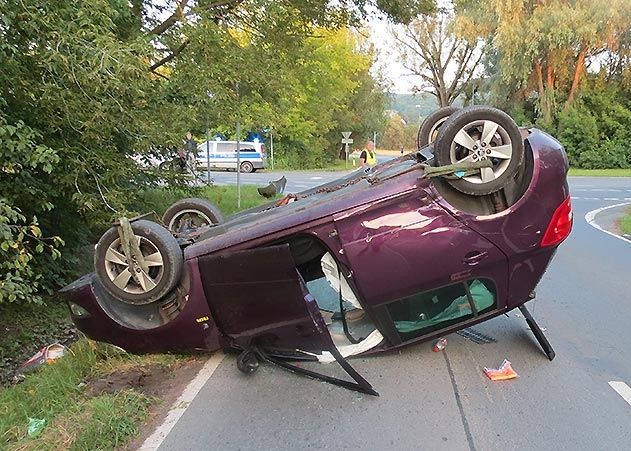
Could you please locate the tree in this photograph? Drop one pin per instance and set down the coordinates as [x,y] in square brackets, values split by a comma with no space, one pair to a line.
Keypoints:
[545,46]
[87,85]
[444,61]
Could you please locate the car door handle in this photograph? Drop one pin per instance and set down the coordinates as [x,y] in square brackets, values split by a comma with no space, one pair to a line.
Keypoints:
[475,257]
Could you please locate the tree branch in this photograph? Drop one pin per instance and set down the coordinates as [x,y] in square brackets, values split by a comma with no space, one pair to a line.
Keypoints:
[177,15]
[170,56]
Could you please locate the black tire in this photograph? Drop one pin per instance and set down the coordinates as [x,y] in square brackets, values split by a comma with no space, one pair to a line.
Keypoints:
[247,362]
[428,130]
[247,167]
[164,271]
[187,215]
[505,148]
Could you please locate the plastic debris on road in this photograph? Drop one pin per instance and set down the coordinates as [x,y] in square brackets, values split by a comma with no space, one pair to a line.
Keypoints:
[47,354]
[503,373]
[35,426]
[440,344]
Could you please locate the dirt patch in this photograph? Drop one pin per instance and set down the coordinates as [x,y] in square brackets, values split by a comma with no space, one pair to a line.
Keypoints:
[151,380]
[171,389]
[147,380]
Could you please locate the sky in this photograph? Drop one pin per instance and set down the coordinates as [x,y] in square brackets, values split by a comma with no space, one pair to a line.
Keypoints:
[402,82]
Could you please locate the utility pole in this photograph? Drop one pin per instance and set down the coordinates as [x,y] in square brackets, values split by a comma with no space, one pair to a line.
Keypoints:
[238,148]
[238,163]
[271,145]
[207,151]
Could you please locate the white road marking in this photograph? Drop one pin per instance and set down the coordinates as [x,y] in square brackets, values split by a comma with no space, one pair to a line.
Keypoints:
[178,408]
[622,389]
[600,198]
[589,217]
[317,178]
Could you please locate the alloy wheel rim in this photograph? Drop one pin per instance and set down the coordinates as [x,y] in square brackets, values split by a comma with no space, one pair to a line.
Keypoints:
[482,140]
[188,221]
[119,270]
[433,132]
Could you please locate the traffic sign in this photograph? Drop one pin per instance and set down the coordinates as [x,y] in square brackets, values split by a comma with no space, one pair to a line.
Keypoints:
[347,141]
[346,135]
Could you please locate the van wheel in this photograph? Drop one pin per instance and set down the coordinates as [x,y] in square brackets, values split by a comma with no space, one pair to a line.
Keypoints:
[186,216]
[161,253]
[481,133]
[247,167]
[431,124]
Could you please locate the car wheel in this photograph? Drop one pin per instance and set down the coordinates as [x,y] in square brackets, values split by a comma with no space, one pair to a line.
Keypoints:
[481,133]
[247,362]
[247,167]
[161,253]
[187,215]
[431,124]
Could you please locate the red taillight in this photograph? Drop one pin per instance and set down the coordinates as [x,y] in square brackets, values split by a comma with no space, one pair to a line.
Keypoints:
[560,225]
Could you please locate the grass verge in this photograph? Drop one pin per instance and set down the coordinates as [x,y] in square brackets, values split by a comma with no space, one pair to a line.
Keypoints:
[225,197]
[625,222]
[600,172]
[95,397]
[75,415]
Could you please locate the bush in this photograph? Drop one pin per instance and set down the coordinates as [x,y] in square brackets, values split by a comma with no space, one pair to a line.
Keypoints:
[578,132]
[597,129]
[609,154]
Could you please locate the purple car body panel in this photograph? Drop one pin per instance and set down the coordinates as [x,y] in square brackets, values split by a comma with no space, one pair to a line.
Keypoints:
[393,234]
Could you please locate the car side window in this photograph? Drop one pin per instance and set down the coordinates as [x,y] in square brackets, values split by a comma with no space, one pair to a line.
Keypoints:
[428,311]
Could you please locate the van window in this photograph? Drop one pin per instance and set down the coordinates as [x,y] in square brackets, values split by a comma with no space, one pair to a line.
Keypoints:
[225,147]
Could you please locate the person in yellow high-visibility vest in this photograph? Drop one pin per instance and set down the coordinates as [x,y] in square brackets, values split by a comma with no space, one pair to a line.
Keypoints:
[368,157]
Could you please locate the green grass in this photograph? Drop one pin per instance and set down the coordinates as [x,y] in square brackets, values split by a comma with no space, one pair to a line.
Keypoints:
[225,197]
[56,393]
[600,172]
[73,420]
[625,223]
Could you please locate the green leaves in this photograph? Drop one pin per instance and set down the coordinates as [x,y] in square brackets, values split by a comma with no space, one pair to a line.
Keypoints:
[20,242]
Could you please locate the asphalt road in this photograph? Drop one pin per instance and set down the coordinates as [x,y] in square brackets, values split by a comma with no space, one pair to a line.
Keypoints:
[443,401]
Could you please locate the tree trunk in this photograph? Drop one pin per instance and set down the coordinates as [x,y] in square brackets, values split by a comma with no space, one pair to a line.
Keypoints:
[539,72]
[578,72]
[549,77]
[544,92]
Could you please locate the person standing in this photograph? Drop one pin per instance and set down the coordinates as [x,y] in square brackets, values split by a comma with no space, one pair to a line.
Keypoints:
[368,158]
[190,145]
[187,150]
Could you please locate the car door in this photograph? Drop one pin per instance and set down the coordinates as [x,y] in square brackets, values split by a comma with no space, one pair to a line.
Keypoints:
[419,266]
[260,302]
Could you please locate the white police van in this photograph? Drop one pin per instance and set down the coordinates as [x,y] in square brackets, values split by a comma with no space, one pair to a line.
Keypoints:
[223,155]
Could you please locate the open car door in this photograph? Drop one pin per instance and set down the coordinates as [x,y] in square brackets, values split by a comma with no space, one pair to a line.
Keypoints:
[262,306]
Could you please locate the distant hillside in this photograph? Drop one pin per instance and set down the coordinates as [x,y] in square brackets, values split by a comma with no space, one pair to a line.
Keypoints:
[413,106]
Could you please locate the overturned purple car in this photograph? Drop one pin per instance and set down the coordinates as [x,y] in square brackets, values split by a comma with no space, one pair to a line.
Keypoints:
[429,243]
